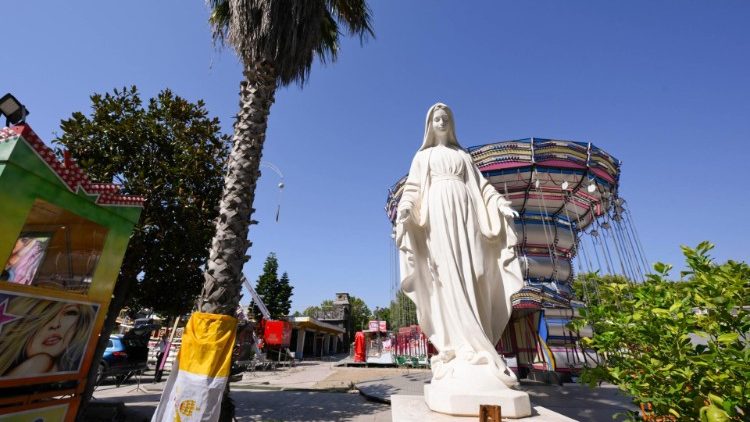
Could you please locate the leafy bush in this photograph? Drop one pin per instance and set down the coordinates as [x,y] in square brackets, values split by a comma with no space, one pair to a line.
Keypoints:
[681,347]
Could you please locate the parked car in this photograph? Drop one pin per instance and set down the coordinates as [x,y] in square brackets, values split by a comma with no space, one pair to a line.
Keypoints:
[125,355]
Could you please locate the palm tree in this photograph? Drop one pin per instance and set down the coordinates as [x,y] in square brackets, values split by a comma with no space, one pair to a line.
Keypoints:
[277,42]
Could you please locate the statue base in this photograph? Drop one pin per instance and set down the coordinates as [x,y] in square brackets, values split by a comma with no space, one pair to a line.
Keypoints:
[414,409]
[463,387]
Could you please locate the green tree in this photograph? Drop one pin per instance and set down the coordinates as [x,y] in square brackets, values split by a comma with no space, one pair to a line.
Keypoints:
[284,295]
[586,286]
[172,152]
[403,311]
[315,311]
[275,292]
[382,314]
[311,311]
[360,313]
[677,345]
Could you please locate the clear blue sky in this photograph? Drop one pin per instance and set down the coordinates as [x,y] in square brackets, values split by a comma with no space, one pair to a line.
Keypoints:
[661,85]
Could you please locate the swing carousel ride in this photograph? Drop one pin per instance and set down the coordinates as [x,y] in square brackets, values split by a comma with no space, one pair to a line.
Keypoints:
[566,194]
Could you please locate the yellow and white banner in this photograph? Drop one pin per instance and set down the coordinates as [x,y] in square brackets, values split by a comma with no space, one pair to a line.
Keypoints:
[193,391]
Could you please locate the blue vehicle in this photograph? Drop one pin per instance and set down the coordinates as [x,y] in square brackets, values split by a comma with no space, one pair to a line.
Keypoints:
[125,355]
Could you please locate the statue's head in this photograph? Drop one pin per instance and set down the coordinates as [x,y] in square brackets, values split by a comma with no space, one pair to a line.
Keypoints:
[440,128]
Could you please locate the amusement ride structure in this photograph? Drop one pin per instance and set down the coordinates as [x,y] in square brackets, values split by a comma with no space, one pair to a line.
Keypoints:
[566,194]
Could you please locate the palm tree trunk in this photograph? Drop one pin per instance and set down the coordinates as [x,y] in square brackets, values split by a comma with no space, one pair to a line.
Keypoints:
[222,286]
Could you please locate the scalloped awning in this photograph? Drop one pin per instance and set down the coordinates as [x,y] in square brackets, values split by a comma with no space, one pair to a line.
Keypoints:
[68,171]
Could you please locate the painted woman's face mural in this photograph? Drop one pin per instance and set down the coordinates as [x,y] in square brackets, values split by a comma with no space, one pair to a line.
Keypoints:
[54,337]
[41,337]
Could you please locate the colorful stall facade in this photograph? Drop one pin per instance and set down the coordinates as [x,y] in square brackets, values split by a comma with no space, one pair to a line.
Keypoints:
[62,241]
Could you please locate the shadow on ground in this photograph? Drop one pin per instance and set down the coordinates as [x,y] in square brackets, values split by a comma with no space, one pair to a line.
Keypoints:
[579,401]
[137,398]
[117,411]
[381,391]
[303,406]
[409,383]
[378,392]
[257,406]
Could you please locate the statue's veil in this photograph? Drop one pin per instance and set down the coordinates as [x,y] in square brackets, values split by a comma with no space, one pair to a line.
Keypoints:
[429,134]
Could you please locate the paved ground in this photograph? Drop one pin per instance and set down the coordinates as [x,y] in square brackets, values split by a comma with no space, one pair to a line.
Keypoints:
[319,375]
[346,377]
[307,374]
[263,405]
[308,406]
[322,391]
[301,393]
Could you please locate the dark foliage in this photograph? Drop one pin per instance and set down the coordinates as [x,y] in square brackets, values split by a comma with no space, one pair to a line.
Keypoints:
[275,292]
[170,151]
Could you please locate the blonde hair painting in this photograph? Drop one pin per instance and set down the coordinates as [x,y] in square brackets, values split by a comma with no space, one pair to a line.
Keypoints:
[34,315]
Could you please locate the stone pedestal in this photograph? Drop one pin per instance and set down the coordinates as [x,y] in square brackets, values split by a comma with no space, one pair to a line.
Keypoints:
[459,388]
[460,402]
[413,409]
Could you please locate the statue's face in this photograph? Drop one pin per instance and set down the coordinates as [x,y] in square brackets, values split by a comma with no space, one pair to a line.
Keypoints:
[440,122]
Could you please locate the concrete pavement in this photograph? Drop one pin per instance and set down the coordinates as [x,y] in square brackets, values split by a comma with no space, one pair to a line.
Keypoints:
[307,406]
[261,405]
[302,393]
[321,391]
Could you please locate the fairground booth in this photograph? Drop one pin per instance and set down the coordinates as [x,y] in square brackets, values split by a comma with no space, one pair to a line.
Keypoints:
[62,241]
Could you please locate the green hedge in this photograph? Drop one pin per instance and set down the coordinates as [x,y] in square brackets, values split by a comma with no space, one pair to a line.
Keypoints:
[681,346]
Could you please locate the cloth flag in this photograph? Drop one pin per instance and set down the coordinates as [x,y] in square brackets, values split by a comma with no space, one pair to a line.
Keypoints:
[194,389]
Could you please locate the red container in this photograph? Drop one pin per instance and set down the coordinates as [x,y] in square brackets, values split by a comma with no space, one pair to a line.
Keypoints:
[277,333]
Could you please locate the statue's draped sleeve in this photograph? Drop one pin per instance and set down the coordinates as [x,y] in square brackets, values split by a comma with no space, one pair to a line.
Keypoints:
[494,225]
[416,281]
[412,187]
[503,275]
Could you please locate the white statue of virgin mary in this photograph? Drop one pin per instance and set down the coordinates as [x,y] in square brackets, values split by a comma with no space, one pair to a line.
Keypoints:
[455,236]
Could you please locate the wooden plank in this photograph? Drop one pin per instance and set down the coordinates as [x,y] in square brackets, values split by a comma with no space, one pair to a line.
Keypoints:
[489,413]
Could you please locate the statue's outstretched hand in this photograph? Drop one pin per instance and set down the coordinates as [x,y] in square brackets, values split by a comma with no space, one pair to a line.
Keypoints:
[403,215]
[506,210]
[401,218]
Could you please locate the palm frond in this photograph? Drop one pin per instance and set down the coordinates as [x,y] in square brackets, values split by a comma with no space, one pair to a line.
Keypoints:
[219,19]
[355,15]
[328,49]
[288,34]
